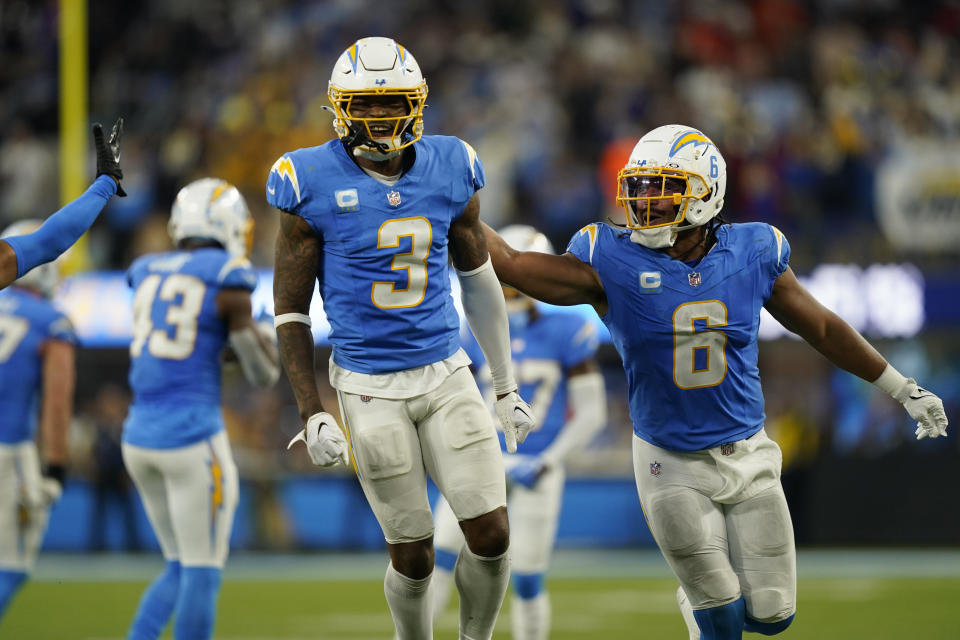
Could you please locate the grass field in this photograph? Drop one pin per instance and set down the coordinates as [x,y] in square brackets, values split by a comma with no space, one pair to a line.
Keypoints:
[847,596]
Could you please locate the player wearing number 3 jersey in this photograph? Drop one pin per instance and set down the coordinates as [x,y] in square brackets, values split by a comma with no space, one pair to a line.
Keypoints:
[375,215]
[681,291]
[188,305]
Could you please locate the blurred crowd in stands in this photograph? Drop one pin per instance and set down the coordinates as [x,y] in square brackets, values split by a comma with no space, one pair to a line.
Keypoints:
[804,99]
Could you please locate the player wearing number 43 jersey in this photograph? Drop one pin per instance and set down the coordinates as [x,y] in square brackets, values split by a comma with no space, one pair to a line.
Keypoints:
[681,291]
[188,305]
[375,215]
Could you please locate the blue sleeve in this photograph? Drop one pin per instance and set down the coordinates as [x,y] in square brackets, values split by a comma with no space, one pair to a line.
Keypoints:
[62,229]
[62,329]
[583,243]
[237,273]
[583,343]
[283,185]
[778,257]
[473,177]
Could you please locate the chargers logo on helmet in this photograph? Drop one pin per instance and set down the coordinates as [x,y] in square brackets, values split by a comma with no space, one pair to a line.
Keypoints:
[693,137]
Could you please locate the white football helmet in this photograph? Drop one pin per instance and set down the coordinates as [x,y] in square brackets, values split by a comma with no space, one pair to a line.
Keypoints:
[212,209]
[43,278]
[674,163]
[377,67]
[522,237]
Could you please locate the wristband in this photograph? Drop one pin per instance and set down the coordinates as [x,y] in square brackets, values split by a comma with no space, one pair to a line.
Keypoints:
[284,318]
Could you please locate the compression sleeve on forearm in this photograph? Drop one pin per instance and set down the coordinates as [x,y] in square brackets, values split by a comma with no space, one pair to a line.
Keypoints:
[486,312]
[63,228]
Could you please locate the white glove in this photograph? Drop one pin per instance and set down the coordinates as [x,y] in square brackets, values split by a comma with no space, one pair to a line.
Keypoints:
[325,441]
[43,494]
[516,418]
[924,407]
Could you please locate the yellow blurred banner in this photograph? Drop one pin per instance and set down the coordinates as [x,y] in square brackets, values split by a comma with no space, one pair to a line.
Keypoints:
[73,118]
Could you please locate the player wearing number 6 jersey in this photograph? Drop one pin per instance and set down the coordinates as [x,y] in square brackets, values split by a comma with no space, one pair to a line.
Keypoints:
[375,215]
[681,291]
[188,305]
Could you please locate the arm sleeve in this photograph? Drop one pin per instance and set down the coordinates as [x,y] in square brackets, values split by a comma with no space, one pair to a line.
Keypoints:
[62,229]
[486,312]
[587,401]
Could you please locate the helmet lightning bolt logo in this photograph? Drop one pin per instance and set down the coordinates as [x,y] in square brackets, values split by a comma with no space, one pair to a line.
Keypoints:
[284,169]
[693,137]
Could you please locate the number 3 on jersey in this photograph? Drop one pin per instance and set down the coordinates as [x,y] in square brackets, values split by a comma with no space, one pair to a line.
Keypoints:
[387,295]
[181,317]
[699,357]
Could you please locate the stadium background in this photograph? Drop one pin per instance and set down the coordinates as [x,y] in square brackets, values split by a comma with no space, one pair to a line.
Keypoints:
[840,123]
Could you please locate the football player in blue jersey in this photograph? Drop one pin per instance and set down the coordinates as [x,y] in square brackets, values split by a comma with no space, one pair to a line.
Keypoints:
[189,304]
[376,215]
[681,291]
[36,372]
[21,252]
[553,355]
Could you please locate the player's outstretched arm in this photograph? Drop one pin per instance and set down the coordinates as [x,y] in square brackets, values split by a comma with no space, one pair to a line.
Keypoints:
[797,310]
[20,254]
[254,344]
[563,280]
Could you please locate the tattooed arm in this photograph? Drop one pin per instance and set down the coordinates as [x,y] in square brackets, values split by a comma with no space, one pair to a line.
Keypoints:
[298,252]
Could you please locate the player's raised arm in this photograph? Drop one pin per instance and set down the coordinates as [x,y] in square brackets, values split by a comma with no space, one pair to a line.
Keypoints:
[563,279]
[20,254]
[797,310]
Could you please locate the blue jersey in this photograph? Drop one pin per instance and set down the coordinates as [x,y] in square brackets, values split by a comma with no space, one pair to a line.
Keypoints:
[543,352]
[178,336]
[27,321]
[383,276]
[688,335]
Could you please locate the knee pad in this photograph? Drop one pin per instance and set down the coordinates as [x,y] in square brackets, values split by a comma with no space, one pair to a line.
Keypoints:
[770,604]
[767,628]
[527,585]
[721,623]
[713,586]
[444,559]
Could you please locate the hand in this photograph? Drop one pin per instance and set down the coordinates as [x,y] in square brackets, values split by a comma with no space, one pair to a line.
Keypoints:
[526,470]
[516,418]
[108,153]
[325,441]
[924,407]
[43,494]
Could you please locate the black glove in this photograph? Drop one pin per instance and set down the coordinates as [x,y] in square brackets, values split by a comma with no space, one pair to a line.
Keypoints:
[108,153]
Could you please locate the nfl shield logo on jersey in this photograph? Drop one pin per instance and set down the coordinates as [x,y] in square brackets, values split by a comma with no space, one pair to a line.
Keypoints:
[694,279]
[727,449]
[393,198]
[655,468]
